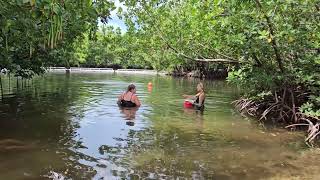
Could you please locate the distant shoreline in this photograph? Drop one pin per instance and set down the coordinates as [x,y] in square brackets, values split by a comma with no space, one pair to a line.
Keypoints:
[105,70]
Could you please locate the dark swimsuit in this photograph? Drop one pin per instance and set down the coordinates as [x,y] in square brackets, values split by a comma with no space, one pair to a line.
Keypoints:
[197,107]
[124,103]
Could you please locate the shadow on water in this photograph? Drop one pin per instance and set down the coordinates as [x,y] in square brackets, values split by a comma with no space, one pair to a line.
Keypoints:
[71,125]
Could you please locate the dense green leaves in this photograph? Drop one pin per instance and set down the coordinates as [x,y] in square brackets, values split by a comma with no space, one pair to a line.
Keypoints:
[32,30]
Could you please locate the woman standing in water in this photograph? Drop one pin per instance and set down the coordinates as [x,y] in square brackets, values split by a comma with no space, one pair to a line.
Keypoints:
[197,100]
[129,98]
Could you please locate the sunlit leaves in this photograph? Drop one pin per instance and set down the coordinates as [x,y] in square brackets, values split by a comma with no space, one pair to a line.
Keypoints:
[31,30]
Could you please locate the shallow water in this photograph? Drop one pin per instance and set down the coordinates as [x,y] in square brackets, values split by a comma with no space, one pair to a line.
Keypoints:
[71,125]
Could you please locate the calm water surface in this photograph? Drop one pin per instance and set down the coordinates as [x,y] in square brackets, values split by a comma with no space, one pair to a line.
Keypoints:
[71,125]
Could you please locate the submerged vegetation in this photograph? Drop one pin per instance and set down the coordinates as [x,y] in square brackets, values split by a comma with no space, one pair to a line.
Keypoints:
[270,48]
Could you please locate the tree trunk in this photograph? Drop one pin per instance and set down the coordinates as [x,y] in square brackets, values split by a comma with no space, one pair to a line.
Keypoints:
[1,87]
[273,39]
[9,81]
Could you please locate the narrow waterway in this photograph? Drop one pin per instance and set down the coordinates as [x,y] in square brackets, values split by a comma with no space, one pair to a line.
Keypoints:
[71,125]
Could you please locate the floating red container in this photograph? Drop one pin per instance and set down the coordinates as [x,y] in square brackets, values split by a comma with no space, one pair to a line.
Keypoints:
[187,104]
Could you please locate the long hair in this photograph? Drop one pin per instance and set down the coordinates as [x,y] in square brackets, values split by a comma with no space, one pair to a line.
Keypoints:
[131,87]
[200,85]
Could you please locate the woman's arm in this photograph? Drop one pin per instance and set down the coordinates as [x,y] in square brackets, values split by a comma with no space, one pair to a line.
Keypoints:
[120,97]
[188,96]
[136,100]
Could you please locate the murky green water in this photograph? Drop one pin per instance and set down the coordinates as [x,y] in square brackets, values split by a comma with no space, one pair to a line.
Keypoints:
[71,125]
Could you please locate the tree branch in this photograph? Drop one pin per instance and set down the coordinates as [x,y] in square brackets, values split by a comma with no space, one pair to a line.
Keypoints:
[273,40]
[223,55]
[191,58]
[217,60]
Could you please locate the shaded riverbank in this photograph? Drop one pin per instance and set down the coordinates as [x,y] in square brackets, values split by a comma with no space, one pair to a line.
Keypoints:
[105,70]
[208,74]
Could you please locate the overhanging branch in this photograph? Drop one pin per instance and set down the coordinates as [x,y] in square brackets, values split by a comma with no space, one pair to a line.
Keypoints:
[202,59]
[218,60]
[178,53]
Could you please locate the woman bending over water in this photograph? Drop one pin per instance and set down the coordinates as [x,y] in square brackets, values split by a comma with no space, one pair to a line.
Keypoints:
[129,98]
[198,99]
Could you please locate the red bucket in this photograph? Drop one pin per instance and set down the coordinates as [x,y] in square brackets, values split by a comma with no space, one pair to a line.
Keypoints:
[187,104]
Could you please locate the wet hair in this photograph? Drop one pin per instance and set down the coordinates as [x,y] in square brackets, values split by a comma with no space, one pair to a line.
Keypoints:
[200,85]
[131,87]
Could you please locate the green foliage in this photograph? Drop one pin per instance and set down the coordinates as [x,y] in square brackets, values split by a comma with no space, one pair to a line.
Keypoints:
[310,109]
[33,32]
[110,48]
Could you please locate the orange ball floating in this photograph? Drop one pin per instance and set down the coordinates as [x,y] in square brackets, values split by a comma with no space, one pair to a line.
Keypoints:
[149,86]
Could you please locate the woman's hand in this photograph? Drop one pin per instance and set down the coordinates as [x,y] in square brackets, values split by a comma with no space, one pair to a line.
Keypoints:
[120,97]
[136,100]
[188,96]
[190,100]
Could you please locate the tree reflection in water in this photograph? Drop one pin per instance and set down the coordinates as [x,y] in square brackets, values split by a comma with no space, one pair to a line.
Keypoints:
[37,134]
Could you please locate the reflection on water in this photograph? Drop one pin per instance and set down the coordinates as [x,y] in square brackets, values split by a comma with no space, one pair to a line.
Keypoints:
[129,114]
[70,125]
